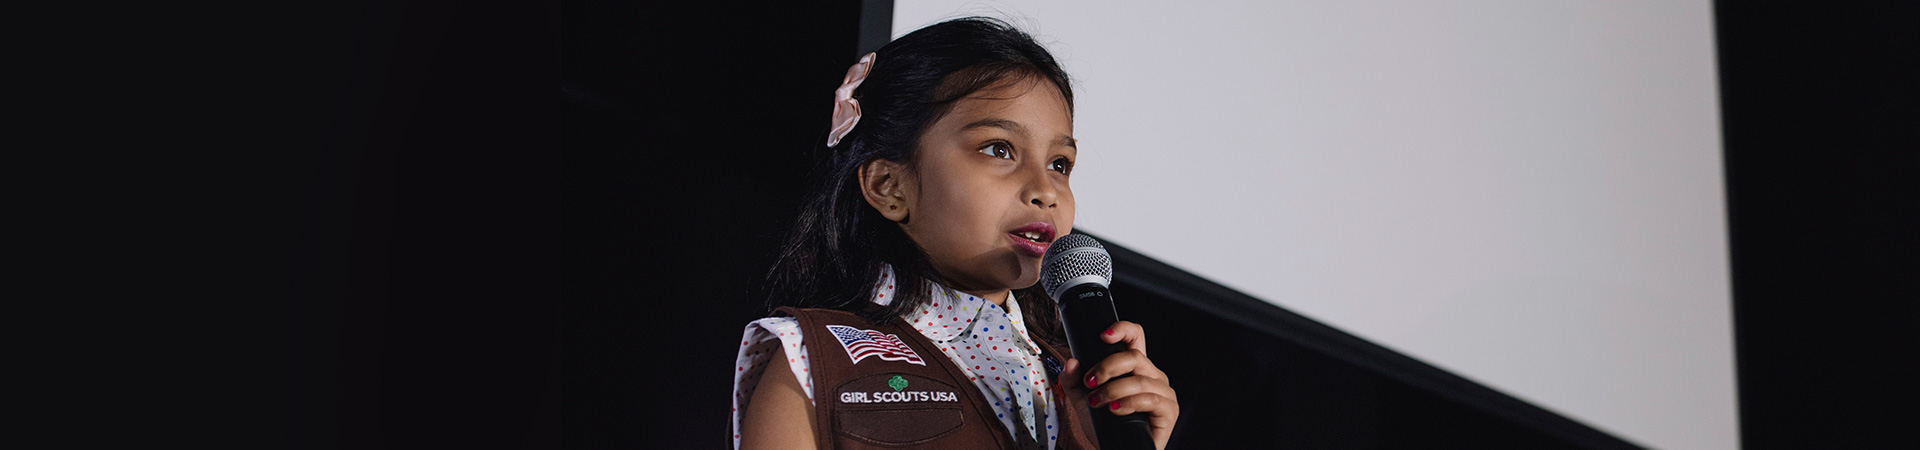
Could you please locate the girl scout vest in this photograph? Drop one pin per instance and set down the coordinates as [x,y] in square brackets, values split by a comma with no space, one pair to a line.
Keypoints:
[885,400]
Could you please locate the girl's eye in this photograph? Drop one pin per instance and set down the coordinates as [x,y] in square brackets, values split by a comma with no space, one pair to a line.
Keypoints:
[998,150]
[1061,165]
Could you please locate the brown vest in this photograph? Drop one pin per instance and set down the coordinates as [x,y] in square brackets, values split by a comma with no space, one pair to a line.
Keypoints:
[878,403]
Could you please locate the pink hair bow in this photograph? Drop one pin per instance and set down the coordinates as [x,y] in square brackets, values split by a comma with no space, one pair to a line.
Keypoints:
[846,110]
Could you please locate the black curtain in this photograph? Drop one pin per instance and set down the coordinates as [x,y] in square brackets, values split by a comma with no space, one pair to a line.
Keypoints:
[1819,123]
[417,248]
[687,130]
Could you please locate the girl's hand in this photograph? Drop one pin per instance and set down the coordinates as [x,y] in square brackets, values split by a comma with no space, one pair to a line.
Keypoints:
[1146,391]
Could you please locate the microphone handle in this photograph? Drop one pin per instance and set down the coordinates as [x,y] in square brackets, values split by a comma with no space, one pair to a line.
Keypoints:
[1087,311]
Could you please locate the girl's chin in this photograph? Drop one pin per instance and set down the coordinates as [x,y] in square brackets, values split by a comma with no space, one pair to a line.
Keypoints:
[1027,279]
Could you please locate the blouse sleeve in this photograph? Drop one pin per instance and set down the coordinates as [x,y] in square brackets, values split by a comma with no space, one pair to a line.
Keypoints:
[757,345]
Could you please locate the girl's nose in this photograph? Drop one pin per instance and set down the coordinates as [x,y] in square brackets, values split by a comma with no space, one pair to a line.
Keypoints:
[1041,192]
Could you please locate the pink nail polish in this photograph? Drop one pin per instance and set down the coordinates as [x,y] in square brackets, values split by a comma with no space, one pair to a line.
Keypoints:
[1109,331]
[1091,382]
[1093,400]
[1114,405]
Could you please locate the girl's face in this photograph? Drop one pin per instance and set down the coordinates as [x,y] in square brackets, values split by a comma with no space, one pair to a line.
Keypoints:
[989,190]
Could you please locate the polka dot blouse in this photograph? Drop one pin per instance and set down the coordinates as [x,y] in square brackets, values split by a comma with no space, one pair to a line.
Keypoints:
[987,342]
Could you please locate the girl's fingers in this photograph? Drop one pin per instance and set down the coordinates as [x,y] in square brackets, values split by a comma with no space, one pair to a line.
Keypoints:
[1129,332]
[1146,391]
[1130,361]
[1153,404]
[1162,412]
[1130,386]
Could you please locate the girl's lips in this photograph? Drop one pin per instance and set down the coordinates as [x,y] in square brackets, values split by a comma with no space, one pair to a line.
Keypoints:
[1036,248]
[1029,247]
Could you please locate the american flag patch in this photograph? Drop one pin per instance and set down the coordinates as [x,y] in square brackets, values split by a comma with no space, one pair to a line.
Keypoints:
[863,343]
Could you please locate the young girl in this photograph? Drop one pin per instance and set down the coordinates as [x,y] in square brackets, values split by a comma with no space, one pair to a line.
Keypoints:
[907,308]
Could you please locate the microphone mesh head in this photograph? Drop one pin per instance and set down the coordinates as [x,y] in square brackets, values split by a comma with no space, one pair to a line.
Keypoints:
[1074,257]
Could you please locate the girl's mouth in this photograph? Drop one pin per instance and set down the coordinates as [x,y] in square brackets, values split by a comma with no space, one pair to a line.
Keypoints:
[1033,239]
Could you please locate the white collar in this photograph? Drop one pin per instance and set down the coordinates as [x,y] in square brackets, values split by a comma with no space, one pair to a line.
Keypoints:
[950,314]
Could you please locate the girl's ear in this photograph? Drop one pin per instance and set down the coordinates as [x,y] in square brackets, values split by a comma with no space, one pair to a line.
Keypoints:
[885,184]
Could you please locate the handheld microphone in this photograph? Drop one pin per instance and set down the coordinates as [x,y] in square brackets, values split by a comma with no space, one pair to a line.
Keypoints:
[1076,272]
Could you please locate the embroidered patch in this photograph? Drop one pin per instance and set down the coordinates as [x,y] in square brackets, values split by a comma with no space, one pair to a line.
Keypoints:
[863,343]
[880,390]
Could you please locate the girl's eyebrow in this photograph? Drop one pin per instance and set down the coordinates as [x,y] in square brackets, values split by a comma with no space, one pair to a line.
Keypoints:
[996,122]
[1015,127]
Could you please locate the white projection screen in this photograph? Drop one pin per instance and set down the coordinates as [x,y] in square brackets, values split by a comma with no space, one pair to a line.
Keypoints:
[1527,194]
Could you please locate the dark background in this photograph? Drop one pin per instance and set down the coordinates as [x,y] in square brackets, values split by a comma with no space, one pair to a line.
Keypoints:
[1819,125]
[496,212]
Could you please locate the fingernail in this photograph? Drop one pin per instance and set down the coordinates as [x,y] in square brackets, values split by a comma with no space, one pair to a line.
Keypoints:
[1114,405]
[1091,382]
[1109,331]
[1093,400]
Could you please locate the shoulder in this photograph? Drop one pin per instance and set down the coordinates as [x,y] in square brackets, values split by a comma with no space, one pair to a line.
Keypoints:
[788,327]
[783,336]
[771,383]
[763,340]
[774,325]
[766,337]
[784,332]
